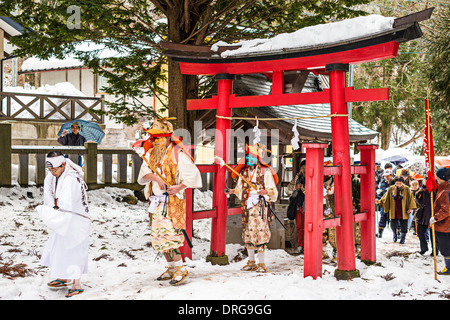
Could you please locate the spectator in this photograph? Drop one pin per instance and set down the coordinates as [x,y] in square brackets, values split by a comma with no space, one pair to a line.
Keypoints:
[441,218]
[73,139]
[411,222]
[384,186]
[390,166]
[422,217]
[398,201]
[296,191]
[378,174]
[406,176]
[329,234]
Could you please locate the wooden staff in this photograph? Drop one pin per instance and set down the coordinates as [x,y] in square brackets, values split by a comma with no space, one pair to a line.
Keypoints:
[155,171]
[186,236]
[431,166]
[248,182]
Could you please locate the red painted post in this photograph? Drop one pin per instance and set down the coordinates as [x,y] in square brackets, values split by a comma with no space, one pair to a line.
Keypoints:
[219,223]
[312,265]
[368,240]
[341,156]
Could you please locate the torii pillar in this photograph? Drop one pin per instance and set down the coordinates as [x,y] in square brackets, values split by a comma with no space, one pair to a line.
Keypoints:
[345,240]
[368,240]
[222,141]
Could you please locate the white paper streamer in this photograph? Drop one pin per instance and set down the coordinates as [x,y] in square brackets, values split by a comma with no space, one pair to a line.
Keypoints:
[257,132]
[295,140]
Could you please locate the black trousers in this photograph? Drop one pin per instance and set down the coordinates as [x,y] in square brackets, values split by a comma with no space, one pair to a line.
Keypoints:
[422,234]
[443,243]
[403,225]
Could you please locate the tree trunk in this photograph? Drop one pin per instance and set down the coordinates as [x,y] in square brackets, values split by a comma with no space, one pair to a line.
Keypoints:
[385,136]
[181,87]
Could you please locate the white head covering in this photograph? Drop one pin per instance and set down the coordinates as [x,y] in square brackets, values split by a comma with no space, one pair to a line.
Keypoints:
[55,162]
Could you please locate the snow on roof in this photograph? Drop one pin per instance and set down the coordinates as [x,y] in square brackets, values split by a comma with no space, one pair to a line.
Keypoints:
[34,64]
[316,36]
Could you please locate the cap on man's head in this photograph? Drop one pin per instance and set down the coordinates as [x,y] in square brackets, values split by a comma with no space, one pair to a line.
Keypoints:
[75,124]
[443,173]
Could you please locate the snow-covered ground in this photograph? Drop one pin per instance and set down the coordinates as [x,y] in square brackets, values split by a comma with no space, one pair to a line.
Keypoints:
[122,264]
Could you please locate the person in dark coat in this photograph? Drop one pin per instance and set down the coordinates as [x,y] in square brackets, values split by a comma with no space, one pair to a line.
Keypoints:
[388,180]
[296,191]
[423,199]
[74,139]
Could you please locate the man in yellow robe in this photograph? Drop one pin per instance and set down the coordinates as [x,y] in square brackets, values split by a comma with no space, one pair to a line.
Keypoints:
[167,172]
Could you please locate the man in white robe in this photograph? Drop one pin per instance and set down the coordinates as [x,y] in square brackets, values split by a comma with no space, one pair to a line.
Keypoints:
[168,160]
[66,213]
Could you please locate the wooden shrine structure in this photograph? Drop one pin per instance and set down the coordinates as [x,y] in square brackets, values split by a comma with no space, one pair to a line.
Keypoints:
[333,60]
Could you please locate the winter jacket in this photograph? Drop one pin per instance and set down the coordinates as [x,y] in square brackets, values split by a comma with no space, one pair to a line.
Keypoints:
[441,208]
[423,198]
[72,139]
[384,185]
[408,201]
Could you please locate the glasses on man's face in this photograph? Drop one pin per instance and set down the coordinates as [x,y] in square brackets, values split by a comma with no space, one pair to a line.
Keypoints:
[78,128]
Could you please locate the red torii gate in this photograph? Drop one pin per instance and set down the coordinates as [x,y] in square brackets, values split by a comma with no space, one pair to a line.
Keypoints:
[334,61]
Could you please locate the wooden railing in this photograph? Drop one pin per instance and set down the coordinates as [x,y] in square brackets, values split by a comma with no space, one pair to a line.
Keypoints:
[42,107]
[93,156]
[126,158]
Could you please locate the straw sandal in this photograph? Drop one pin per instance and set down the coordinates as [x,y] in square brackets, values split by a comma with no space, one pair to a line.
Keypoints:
[179,271]
[166,275]
[250,266]
[261,267]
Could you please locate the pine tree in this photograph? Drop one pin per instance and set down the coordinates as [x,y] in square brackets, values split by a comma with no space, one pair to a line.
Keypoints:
[407,77]
[135,27]
[437,71]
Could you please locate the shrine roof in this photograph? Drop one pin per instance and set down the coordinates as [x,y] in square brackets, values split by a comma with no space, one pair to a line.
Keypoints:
[310,129]
[318,128]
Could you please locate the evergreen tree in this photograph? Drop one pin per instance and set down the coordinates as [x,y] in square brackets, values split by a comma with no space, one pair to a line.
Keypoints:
[134,28]
[437,71]
[404,111]
[407,77]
